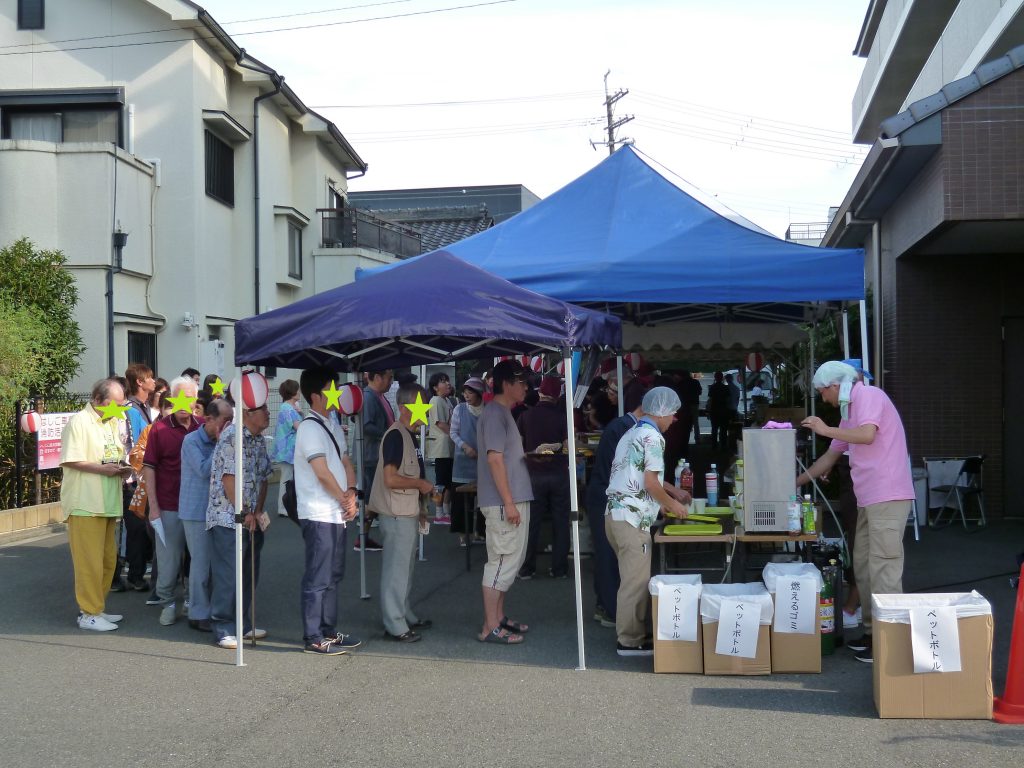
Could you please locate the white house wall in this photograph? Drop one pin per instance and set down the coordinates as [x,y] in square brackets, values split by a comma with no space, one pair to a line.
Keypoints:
[198,250]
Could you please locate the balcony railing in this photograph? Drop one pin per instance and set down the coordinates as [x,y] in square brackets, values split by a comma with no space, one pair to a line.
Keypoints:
[814,230]
[352,228]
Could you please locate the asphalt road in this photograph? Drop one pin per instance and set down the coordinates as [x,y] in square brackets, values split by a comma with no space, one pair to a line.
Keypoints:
[165,696]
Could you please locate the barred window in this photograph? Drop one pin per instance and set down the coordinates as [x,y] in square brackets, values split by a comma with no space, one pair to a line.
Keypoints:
[220,170]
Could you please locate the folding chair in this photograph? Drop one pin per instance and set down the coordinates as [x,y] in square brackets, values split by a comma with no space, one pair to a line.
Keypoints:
[912,517]
[968,484]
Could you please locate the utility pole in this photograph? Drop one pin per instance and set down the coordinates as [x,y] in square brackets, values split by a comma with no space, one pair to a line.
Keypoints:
[612,124]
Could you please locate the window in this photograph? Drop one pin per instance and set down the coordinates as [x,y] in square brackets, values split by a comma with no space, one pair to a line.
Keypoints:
[63,123]
[294,251]
[142,348]
[220,170]
[30,14]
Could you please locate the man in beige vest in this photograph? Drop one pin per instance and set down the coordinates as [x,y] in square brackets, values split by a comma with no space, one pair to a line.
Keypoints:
[397,496]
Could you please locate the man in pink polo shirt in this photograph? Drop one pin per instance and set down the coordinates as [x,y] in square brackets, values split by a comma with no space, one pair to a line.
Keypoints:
[871,430]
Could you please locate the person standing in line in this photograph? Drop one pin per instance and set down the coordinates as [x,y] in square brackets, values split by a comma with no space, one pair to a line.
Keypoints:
[193,498]
[288,419]
[325,490]
[505,493]
[399,498]
[378,415]
[95,465]
[440,447]
[872,431]
[138,547]
[220,523]
[463,434]
[636,495]
[718,413]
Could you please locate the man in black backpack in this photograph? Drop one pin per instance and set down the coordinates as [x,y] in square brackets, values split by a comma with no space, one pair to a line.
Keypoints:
[325,483]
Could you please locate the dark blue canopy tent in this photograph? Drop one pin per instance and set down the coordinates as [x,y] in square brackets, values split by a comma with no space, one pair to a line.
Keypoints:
[436,308]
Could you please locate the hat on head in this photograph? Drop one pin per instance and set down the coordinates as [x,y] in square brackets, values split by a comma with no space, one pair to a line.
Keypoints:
[855,362]
[476,384]
[551,386]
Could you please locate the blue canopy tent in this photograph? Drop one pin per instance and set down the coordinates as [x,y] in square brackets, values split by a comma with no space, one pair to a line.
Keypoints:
[625,238]
[437,308]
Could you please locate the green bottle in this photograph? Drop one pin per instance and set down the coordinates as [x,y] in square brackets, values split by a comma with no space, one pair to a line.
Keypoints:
[827,610]
[807,509]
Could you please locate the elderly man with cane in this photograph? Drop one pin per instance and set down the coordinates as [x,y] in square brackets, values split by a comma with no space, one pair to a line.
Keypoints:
[871,430]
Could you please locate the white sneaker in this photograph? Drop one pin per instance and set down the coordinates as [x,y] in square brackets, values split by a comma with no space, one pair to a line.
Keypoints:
[228,641]
[95,623]
[260,634]
[113,618]
[851,620]
[168,615]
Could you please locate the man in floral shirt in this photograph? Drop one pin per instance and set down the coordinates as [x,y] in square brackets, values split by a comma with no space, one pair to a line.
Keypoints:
[636,493]
[220,521]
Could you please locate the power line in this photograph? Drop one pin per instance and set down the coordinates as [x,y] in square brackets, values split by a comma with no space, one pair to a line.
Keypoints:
[314,13]
[467,102]
[468,132]
[244,34]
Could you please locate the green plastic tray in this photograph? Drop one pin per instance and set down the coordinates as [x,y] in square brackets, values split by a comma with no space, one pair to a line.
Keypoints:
[693,529]
[718,511]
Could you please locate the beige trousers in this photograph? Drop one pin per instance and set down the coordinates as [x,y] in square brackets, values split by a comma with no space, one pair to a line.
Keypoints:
[632,547]
[878,552]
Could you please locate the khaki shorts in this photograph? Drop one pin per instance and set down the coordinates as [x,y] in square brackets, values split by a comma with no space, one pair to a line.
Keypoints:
[506,546]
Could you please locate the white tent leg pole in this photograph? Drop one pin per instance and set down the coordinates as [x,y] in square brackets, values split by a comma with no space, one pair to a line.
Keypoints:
[237,502]
[865,355]
[618,373]
[361,536]
[846,333]
[810,373]
[423,452]
[574,507]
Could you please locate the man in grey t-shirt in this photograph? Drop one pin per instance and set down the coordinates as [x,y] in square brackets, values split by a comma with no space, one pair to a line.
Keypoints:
[504,493]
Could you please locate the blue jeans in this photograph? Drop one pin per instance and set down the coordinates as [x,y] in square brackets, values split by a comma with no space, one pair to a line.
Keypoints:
[198,539]
[222,585]
[325,567]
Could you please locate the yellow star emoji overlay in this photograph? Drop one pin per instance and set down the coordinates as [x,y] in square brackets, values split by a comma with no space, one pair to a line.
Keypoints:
[217,387]
[111,410]
[182,402]
[332,394]
[419,410]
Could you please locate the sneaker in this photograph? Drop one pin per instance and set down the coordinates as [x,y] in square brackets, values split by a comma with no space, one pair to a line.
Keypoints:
[200,625]
[187,606]
[168,615]
[851,620]
[228,641]
[867,656]
[260,634]
[559,575]
[95,623]
[371,545]
[119,586]
[443,520]
[862,644]
[525,574]
[326,647]
[602,617]
[113,618]
[644,649]
[138,586]
[153,599]
[348,642]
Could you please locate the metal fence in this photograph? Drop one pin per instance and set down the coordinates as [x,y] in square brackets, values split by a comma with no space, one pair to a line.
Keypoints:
[351,228]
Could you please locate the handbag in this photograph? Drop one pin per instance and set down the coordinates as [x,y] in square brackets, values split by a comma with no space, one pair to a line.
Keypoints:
[289,499]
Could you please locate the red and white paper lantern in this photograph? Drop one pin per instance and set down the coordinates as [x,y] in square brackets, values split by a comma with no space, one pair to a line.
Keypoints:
[633,361]
[561,367]
[254,390]
[536,363]
[755,361]
[350,401]
[30,422]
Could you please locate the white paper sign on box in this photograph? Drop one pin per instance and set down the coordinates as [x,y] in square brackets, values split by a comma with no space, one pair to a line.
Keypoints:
[738,625]
[935,639]
[677,611]
[796,605]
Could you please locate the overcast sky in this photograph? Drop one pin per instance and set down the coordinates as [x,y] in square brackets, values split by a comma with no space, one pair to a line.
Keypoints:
[749,100]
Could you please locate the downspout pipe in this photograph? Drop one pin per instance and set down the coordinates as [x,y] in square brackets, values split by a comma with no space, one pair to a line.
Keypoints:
[278,81]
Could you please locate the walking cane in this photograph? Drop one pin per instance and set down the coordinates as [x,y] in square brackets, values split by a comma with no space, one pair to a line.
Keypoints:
[252,580]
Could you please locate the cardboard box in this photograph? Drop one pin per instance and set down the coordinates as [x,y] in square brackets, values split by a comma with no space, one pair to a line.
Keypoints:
[793,652]
[717,664]
[677,656]
[901,693]
[710,607]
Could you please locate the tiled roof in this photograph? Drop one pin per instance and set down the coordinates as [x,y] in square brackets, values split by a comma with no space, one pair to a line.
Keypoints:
[439,227]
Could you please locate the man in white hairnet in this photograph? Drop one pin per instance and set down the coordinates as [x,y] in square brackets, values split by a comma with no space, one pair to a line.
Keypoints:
[872,432]
[636,493]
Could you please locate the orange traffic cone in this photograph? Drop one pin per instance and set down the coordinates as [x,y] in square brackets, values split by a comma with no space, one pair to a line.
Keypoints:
[1009,708]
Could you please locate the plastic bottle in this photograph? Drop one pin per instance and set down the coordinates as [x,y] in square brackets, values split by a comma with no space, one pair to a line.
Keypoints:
[686,478]
[679,472]
[794,523]
[737,484]
[827,610]
[808,515]
[711,480]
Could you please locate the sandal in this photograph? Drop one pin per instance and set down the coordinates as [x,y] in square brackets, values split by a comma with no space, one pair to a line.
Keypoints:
[513,626]
[501,636]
